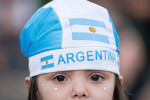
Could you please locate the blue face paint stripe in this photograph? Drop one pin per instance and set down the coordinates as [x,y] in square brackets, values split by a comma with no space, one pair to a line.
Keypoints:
[47,66]
[90,22]
[90,36]
[46,58]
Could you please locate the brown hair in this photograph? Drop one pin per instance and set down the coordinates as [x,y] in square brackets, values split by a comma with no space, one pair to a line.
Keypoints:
[118,91]
[33,89]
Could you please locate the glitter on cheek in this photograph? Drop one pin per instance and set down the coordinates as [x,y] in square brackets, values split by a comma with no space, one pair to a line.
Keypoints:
[72,89]
[43,84]
[104,88]
[56,89]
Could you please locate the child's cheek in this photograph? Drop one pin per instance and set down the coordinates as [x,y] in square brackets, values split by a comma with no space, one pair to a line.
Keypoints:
[101,92]
[54,92]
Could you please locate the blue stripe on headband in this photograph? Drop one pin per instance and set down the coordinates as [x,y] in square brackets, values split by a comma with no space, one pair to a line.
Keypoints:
[115,34]
[90,36]
[47,66]
[46,58]
[90,22]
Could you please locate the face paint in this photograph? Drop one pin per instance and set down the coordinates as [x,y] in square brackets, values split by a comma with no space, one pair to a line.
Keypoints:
[56,89]
[104,88]
[43,84]
[72,89]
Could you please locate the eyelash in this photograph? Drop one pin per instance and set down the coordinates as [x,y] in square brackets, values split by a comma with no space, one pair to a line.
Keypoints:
[63,78]
[100,77]
[60,76]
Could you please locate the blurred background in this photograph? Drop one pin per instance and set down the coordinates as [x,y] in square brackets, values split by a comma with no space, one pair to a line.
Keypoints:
[132,21]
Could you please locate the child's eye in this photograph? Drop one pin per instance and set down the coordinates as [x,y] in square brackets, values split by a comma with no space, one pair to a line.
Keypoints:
[60,78]
[96,78]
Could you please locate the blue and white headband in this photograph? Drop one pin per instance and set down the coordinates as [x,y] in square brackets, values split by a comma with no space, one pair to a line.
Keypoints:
[70,35]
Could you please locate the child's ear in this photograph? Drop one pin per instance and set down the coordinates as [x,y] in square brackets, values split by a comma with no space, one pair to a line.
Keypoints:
[121,79]
[27,83]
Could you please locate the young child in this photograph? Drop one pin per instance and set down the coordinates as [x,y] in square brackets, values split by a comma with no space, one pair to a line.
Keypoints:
[73,51]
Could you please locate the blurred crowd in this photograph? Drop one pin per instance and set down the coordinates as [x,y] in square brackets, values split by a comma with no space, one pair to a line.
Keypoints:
[132,21]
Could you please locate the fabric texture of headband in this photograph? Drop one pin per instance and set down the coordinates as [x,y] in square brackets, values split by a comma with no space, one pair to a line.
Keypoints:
[68,35]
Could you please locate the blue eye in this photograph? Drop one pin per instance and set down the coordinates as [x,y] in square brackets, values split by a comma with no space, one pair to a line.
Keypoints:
[60,78]
[96,78]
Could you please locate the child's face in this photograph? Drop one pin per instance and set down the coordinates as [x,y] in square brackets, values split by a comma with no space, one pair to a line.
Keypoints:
[76,85]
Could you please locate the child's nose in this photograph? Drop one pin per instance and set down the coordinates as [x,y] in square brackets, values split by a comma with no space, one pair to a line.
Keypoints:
[79,94]
[79,91]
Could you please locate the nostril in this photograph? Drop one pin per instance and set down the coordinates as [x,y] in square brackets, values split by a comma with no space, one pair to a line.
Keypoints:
[83,95]
[75,95]
[79,94]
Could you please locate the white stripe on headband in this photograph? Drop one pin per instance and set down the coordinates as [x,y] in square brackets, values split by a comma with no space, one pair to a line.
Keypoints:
[86,29]
[83,58]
